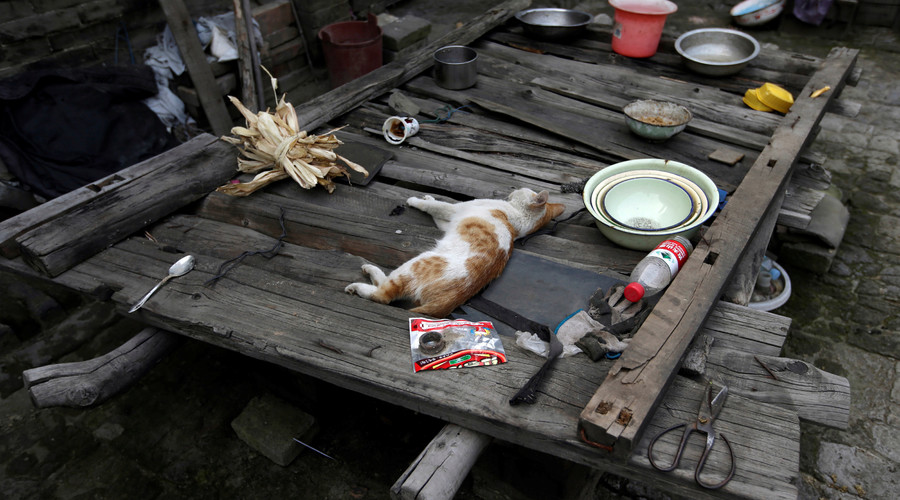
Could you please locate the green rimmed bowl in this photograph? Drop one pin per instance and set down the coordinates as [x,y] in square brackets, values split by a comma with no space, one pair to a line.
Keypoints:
[647,204]
[647,240]
[656,120]
[698,197]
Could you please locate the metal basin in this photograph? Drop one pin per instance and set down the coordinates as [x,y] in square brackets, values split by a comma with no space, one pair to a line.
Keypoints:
[553,24]
[656,120]
[716,51]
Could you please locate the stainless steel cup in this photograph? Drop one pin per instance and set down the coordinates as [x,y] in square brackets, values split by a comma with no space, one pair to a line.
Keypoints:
[455,67]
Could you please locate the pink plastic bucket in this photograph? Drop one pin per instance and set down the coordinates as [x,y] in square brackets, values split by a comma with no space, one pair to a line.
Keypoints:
[639,25]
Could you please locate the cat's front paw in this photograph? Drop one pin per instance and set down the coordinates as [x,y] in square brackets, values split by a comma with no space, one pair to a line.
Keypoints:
[416,202]
[352,287]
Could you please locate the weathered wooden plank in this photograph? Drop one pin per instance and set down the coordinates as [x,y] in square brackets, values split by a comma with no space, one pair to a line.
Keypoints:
[464,178]
[91,382]
[438,472]
[94,224]
[740,328]
[601,128]
[707,101]
[743,276]
[588,92]
[245,56]
[777,451]
[57,207]
[363,226]
[425,86]
[665,335]
[300,326]
[195,60]
[318,111]
[815,395]
[199,236]
[493,150]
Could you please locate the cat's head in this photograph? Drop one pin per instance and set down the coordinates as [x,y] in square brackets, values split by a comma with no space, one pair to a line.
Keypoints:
[536,204]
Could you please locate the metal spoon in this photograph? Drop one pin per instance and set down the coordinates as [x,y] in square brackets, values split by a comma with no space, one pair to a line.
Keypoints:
[179,268]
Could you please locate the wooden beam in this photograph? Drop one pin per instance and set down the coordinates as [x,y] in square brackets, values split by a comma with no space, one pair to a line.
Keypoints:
[185,34]
[438,472]
[55,240]
[14,227]
[817,396]
[91,382]
[245,59]
[622,406]
[320,110]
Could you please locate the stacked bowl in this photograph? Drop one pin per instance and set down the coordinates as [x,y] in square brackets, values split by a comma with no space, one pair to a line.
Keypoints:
[639,203]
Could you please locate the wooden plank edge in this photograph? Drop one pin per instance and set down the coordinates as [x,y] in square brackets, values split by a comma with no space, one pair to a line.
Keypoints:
[59,206]
[39,248]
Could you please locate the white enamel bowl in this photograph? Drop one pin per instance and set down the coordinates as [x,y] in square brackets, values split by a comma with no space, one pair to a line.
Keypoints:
[756,12]
[642,239]
[698,197]
[647,204]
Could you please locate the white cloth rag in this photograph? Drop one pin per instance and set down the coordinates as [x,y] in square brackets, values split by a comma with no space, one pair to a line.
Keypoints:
[568,332]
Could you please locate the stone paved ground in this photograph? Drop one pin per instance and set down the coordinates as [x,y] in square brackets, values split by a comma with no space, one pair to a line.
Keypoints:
[170,436]
[846,321]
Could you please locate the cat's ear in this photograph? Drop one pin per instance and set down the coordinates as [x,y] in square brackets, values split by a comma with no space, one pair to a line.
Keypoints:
[540,199]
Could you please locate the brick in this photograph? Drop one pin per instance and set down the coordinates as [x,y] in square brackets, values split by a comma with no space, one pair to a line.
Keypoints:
[286,52]
[38,25]
[74,57]
[281,36]
[404,32]
[269,425]
[309,6]
[314,21]
[286,67]
[389,56]
[62,40]
[273,16]
[27,50]
[15,9]
[99,10]
[51,5]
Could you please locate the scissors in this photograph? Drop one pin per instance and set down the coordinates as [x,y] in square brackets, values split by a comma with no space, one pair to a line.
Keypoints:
[709,410]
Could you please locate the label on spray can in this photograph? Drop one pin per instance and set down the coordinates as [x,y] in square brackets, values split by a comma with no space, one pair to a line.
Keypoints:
[672,253]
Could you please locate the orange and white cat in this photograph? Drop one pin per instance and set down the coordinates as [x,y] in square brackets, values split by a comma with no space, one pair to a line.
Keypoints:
[477,242]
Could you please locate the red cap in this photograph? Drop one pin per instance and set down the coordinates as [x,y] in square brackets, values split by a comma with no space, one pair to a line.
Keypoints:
[634,292]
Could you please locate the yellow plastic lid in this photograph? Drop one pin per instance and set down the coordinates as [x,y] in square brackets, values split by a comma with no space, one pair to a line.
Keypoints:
[752,99]
[775,97]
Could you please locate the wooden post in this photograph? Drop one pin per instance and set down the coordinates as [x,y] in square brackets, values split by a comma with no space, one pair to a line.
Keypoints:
[623,404]
[440,469]
[245,59]
[185,34]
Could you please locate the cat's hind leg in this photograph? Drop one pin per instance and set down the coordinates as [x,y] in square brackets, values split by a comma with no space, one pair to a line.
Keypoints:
[374,273]
[384,289]
[366,290]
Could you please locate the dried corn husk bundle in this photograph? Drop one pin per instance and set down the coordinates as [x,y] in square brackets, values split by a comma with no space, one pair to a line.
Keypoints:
[274,149]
